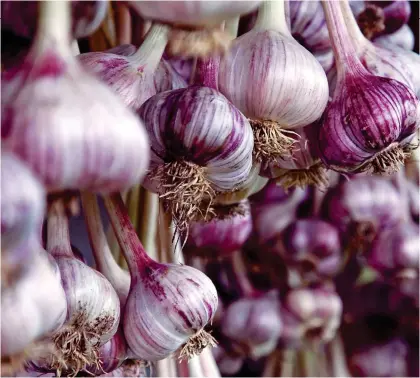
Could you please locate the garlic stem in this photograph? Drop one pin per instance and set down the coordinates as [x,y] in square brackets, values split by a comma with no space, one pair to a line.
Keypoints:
[148,224]
[54,22]
[344,52]
[194,367]
[102,254]
[206,73]
[130,244]
[151,50]
[58,236]
[350,22]
[231,26]
[208,364]
[271,16]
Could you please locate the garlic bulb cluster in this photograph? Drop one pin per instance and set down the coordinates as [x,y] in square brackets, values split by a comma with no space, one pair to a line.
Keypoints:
[33,307]
[135,75]
[195,23]
[21,16]
[168,304]
[22,202]
[275,96]
[371,120]
[222,235]
[61,121]
[200,145]
[93,308]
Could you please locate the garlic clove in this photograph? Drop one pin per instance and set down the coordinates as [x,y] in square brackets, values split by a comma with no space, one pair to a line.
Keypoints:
[62,122]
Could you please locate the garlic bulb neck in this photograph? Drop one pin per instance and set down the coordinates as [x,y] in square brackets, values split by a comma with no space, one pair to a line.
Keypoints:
[272,16]
[151,50]
[355,34]
[58,242]
[55,24]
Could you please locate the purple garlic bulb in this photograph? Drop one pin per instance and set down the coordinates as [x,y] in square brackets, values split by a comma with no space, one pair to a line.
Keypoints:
[20,17]
[135,74]
[200,144]
[222,235]
[312,246]
[254,323]
[364,130]
[396,250]
[227,364]
[363,206]
[313,313]
[69,128]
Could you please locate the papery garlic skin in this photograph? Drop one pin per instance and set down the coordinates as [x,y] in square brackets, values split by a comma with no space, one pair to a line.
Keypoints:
[201,126]
[33,307]
[23,201]
[68,127]
[168,304]
[193,13]
[255,77]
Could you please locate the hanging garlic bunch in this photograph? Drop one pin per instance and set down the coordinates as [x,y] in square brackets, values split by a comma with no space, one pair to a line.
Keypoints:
[195,24]
[304,167]
[33,307]
[386,61]
[135,75]
[371,120]
[274,81]
[223,235]
[68,127]
[200,145]
[168,304]
[93,308]
[20,17]
[22,211]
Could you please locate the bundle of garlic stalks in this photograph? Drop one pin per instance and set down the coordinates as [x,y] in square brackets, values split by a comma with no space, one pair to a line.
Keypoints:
[245,173]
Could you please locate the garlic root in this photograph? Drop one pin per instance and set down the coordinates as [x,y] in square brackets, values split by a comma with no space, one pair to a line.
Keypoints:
[185,190]
[201,43]
[271,141]
[315,175]
[196,344]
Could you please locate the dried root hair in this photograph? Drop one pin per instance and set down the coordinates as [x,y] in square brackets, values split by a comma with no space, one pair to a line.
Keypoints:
[196,344]
[316,175]
[271,141]
[200,43]
[187,194]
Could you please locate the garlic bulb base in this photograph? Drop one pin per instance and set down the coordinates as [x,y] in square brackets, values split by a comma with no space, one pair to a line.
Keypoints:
[78,344]
[371,21]
[270,141]
[196,344]
[185,189]
[201,43]
[316,175]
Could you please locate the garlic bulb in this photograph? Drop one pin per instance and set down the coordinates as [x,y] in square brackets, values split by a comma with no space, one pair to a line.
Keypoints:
[222,235]
[33,307]
[131,368]
[93,308]
[22,202]
[168,304]
[20,16]
[62,121]
[371,120]
[195,23]
[135,75]
[274,81]
[200,145]
[255,323]
[304,167]
[403,38]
